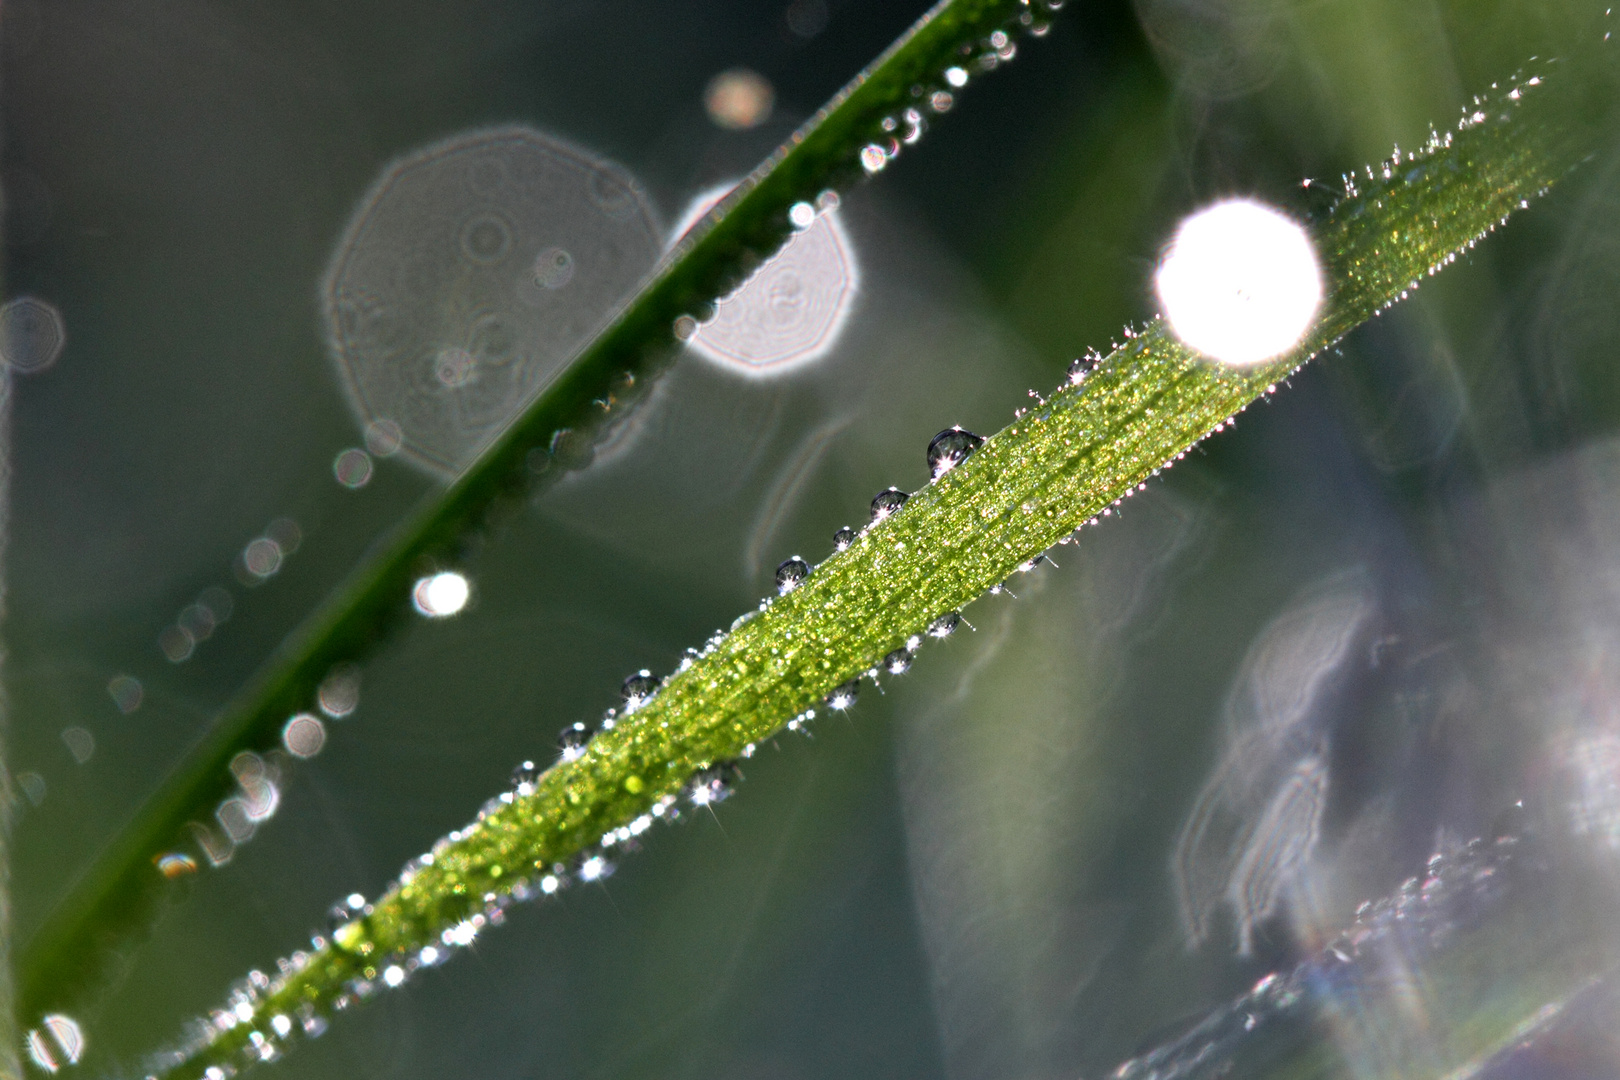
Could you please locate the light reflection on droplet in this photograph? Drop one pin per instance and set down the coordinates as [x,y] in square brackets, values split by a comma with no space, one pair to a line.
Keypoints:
[739,99]
[80,743]
[33,786]
[1240,282]
[126,692]
[57,1043]
[31,334]
[304,736]
[339,693]
[352,468]
[174,865]
[198,621]
[441,595]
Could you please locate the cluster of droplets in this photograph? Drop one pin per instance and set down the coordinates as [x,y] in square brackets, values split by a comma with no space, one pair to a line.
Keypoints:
[1458,888]
[1412,169]
[936,95]
[251,1000]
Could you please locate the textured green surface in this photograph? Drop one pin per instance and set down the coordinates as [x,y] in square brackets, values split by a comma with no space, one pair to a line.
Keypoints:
[1069,459]
[121,894]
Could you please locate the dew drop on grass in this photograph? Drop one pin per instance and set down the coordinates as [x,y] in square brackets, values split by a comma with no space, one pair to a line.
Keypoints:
[303,736]
[897,662]
[638,688]
[1240,282]
[949,449]
[843,538]
[352,468]
[945,625]
[886,502]
[339,693]
[572,739]
[791,574]
[470,274]
[843,696]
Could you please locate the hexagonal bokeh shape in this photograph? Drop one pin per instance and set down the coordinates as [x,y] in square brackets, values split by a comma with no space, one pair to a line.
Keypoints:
[472,272]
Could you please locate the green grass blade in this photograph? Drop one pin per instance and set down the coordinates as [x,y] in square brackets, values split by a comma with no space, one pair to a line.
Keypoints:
[1068,460]
[118,897]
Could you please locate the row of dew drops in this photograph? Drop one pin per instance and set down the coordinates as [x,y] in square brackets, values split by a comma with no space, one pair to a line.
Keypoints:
[936,96]
[258,776]
[268,1035]
[446,593]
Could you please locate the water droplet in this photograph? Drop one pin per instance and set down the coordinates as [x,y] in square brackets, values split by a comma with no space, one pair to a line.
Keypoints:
[525,774]
[33,786]
[393,976]
[941,101]
[791,574]
[886,502]
[949,449]
[261,558]
[572,739]
[898,662]
[712,785]
[843,538]
[873,158]
[638,688]
[595,868]
[945,625]
[1082,366]
[441,595]
[956,77]
[344,912]
[843,696]
[801,215]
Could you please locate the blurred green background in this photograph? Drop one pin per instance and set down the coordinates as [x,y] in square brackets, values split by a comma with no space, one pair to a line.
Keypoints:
[971,876]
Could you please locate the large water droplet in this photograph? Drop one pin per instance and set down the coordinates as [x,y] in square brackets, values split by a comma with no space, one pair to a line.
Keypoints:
[843,538]
[713,784]
[572,739]
[949,449]
[898,662]
[887,502]
[945,625]
[638,688]
[525,774]
[791,574]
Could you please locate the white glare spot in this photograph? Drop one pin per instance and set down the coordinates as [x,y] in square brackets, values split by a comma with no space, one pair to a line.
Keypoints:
[1240,282]
[595,868]
[394,975]
[549,884]
[441,595]
[303,736]
[282,1025]
[956,76]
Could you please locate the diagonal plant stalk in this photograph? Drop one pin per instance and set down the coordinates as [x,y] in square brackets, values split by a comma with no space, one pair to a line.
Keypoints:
[1098,439]
[854,135]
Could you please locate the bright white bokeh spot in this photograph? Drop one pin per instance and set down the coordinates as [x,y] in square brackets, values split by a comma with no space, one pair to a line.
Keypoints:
[441,595]
[792,310]
[1240,282]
